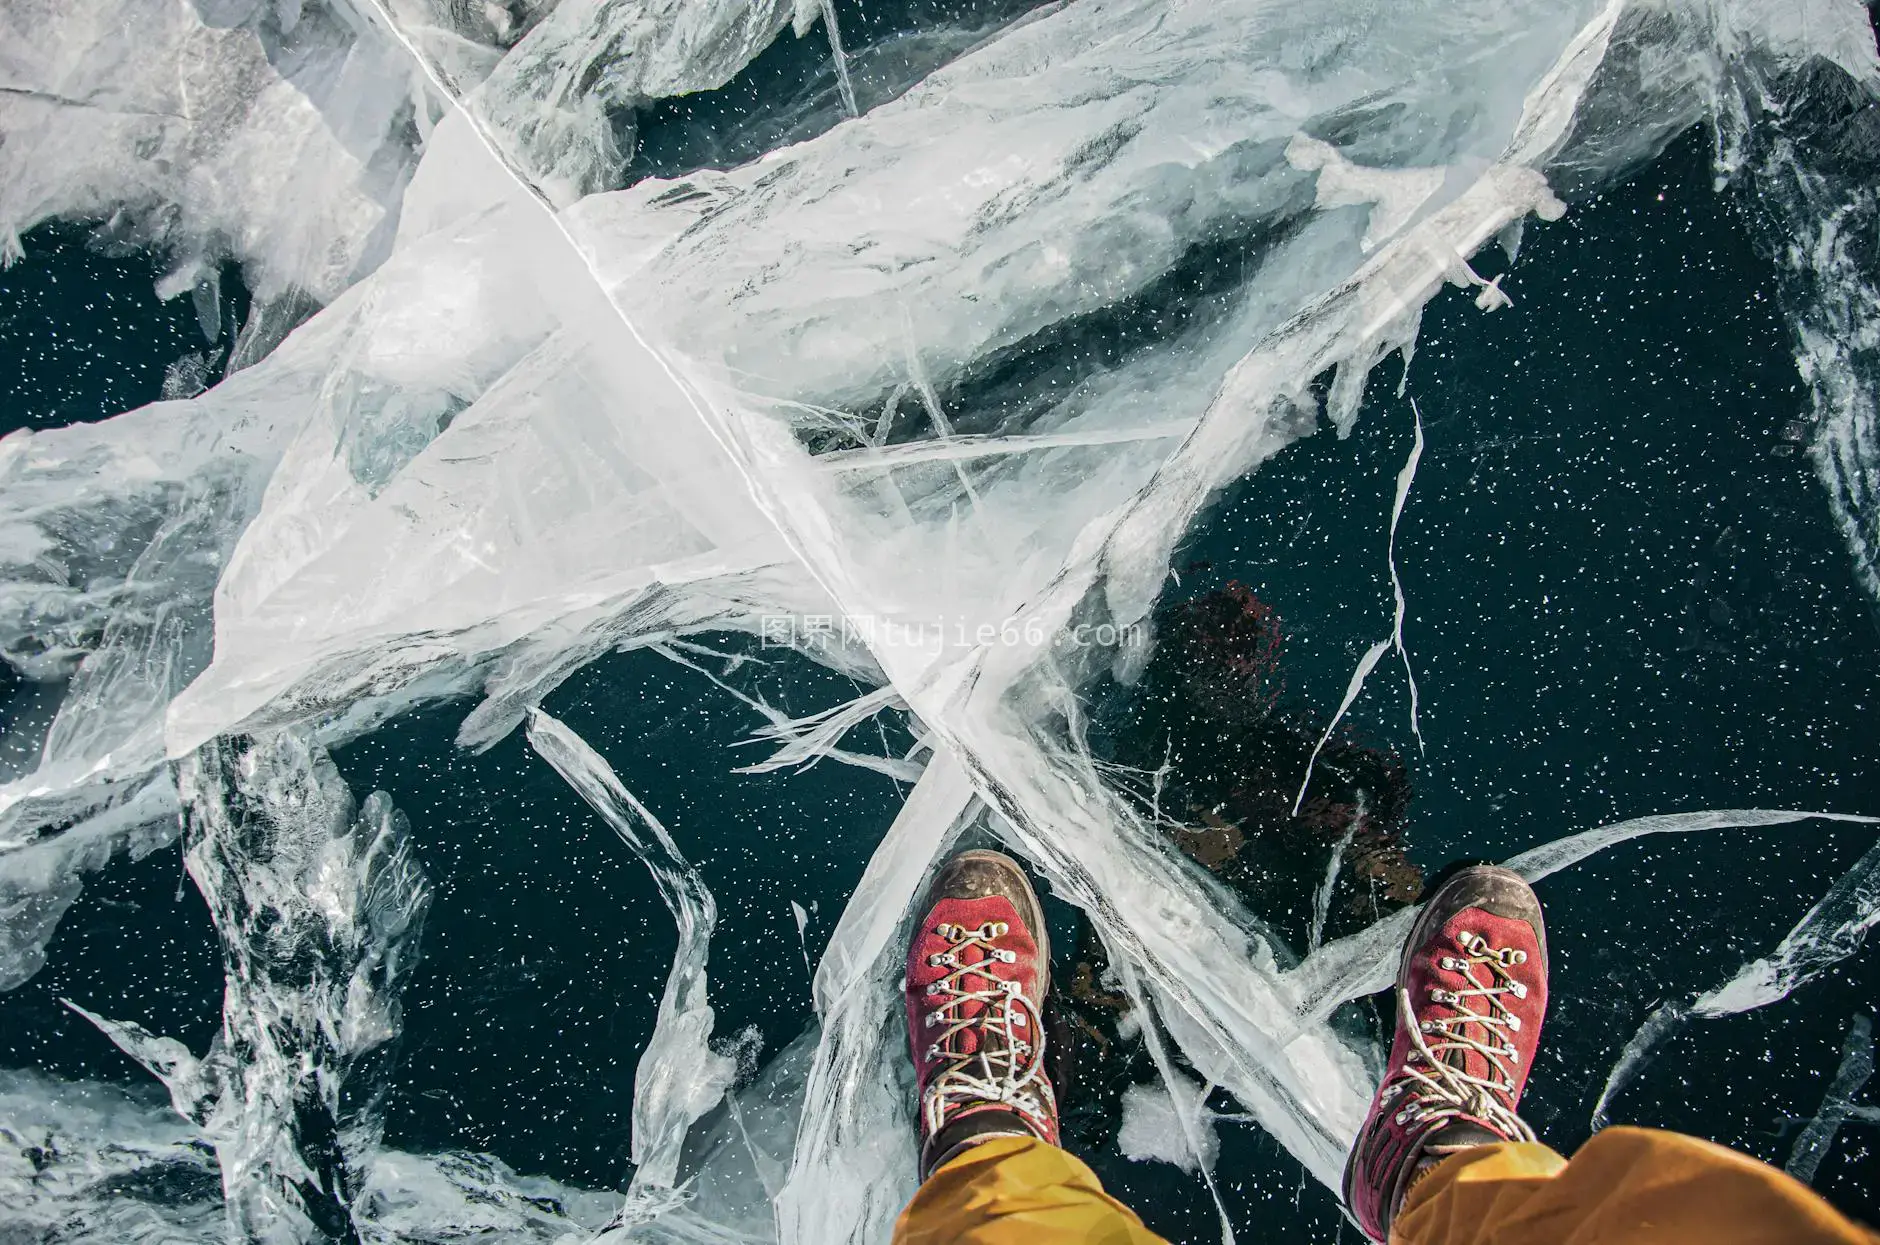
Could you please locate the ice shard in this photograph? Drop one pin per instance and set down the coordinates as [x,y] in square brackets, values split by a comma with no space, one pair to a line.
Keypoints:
[67,1143]
[650,242]
[680,1076]
[319,904]
[1828,933]
[89,1163]
[852,1166]
[1663,1021]
[1362,963]
[283,148]
[112,541]
[1805,164]
[1850,1077]
[554,98]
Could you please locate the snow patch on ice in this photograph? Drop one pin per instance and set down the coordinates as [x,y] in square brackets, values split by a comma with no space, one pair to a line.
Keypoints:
[1161,1122]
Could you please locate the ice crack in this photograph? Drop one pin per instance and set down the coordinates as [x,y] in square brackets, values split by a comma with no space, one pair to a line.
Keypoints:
[680,1077]
[1849,1079]
[1372,655]
[1831,931]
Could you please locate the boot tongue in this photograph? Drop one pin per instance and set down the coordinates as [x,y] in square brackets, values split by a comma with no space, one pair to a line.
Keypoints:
[1467,1062]
[979,1037]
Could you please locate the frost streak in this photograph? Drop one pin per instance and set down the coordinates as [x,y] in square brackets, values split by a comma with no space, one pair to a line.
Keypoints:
[1831,931]
[1404,479]
[1363,963]
[1322,900]
[1366,664]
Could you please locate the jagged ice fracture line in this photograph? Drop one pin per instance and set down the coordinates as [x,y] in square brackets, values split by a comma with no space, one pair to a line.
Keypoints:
[672,373]
[1363,963]
[554,217]
[1831,931]
[696,405]
[1404,479]
[1855,1069]
[679,1077]
[1189,1122]
[1369,661]
[1322,898]
[319,905]
[1195,1004]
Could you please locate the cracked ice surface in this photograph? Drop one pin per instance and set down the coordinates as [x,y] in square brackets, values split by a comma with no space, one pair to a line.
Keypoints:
[535,415]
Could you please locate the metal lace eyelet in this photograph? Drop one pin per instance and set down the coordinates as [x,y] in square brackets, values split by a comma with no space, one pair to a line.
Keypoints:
[1514,1022]
[1018,1020]
[1520,990]
[933,1052]
[1520,957]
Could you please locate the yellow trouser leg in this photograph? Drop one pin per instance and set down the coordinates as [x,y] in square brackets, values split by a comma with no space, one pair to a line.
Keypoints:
[1627,1186]
[1017,1191]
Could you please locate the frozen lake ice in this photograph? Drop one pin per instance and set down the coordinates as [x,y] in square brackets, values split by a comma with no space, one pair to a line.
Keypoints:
[525,532]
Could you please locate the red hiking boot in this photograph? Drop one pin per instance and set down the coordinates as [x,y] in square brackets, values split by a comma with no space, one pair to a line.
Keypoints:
[977,973]
[1471,992]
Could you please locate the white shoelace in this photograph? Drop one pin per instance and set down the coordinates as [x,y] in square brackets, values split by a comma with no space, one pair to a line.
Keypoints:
[1443,1090]
[1010,1075]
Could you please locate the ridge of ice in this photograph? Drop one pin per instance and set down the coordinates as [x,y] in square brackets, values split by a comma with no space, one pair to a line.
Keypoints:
[1363,963]
[1850,1077]
[680,1076]
[1368,662]
[296,166]
[1829,932]
[319,905]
